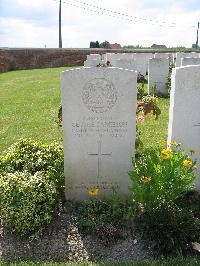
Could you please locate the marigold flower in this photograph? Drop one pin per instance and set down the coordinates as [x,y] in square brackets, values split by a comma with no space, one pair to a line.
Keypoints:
[187,163]
[166,151]
[146,180]
[165,156]
[162,141]
[174,143]
[93,191]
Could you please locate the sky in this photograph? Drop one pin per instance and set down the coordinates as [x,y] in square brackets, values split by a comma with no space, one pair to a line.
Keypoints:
[34,23]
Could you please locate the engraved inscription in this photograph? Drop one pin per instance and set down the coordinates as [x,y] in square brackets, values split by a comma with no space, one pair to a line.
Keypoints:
[100,126]
[99,95]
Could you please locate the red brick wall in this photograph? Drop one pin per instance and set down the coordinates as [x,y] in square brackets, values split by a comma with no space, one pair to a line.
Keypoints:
[42,58]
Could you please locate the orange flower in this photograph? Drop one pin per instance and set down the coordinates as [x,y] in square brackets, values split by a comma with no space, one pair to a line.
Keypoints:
[174,143]
[165,156]
[93,191]
[187,163]
[166,153]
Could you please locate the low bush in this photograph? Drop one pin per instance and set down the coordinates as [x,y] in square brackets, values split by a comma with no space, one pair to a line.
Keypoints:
[170,230]
[34,156]
[26,201]
[31,178]
[95,215]
[161,176]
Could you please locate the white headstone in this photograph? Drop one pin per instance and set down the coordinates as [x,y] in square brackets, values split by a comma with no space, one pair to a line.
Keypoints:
[92,62]
[158,74]
[99,112]
[186,61]
[184,115]
[126,64]
[141,62]
[94,56]
[161,55]
[179,57]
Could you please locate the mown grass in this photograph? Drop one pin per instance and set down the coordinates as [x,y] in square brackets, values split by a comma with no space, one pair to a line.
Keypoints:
[152,130]
[29,102]
[167,262]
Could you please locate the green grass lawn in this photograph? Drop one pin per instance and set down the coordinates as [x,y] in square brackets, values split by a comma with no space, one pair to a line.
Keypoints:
[152,131]
[29,106]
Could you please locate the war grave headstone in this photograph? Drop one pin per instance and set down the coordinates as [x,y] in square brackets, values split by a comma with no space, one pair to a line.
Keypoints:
[186,61]
[99,112]
[158,74]
[141,62]
[184,117]
[180,56]
[126,64]
[92,62]
[94,56]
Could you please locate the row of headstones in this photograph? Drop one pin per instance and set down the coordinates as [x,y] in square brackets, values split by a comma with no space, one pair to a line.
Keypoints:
[99,123]
[156,65]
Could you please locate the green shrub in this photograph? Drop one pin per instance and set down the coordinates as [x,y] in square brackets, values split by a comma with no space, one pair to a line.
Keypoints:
[31,177]
[170,230]
[26,201]
[140,91]
[161,176]
[94,215]
[33,156]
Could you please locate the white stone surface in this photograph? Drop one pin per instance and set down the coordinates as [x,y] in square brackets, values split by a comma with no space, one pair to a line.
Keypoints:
[141,61]
[184,115]
[99,112]
[158,74]
[186,61]
[94,56]
[91,62]
[161,55]
[126,64]
[179,57]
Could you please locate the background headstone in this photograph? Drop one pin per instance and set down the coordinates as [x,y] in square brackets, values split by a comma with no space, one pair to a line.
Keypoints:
[186,61]
[158,74]
[184,115]
[92,62]
[99,112]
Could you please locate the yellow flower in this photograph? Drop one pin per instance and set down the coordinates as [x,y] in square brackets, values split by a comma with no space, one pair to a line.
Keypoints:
[93,191]
[165,156]
[174,143]
[192,151]
[162,141]
[166,153]
[187,163]
[146,180]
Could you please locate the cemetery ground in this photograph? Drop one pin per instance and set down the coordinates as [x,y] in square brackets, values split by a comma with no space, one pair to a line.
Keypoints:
[29,109]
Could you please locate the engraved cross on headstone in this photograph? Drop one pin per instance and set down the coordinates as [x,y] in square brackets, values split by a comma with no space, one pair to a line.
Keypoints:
[99,154]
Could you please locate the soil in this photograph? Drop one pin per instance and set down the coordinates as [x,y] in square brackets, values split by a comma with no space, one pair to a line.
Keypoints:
[61,241]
